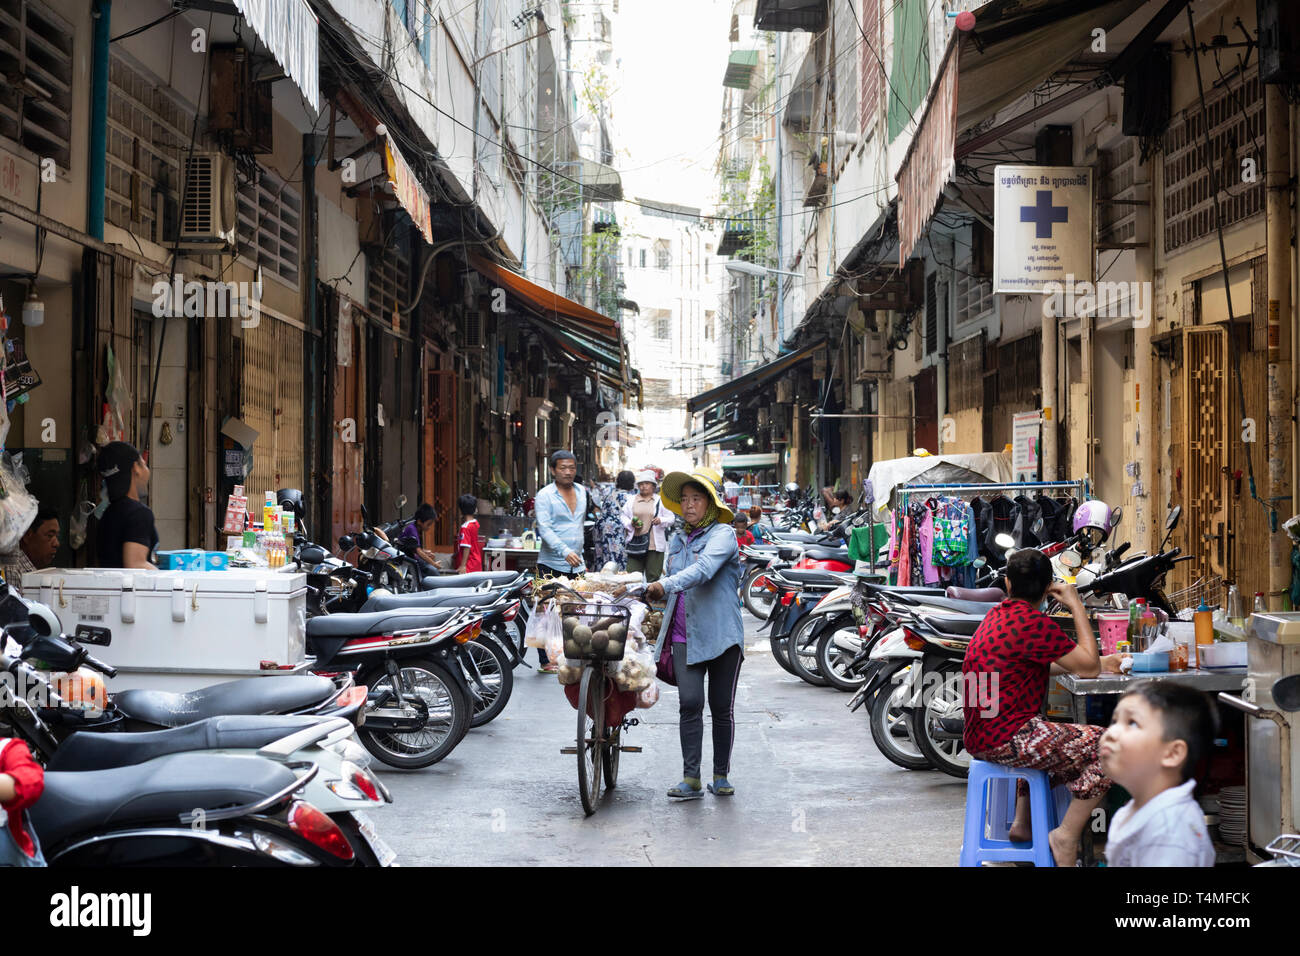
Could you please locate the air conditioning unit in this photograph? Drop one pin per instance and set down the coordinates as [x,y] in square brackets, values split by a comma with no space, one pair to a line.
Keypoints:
[873,360]
[472,330]
[208,208]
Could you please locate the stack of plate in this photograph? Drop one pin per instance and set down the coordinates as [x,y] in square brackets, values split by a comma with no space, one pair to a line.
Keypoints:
[1232,816]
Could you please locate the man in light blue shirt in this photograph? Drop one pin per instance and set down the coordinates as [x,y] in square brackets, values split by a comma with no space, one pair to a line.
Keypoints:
[561,511]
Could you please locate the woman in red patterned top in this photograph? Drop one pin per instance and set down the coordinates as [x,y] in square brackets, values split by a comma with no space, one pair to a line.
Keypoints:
[21,781]
[1010,659]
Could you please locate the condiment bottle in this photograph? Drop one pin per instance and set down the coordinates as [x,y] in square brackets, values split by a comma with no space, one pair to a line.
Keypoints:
[1150,626]
[1236,613]
[1204,623]
[1260,606]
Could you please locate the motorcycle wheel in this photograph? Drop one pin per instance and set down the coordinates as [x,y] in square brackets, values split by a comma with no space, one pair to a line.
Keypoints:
[494,668]
[801,648]
[833,661]
[449,717]
[888,723]
[946,754]
[758,601]
[779,651]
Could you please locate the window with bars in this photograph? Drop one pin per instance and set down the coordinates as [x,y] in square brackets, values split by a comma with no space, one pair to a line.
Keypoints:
[269,222]
[661,321]
[663,254]
[148,134]
[389,274]
[871,71]
[932,313]
[1116,222]
[36,95]
[974,298]
[847,38]
[1236,124]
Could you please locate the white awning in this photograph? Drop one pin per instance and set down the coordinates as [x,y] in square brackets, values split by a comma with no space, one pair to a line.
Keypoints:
[290,31]
[762,460]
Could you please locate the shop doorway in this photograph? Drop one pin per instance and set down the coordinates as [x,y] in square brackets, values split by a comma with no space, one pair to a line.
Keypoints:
[925,390]
[439,466]
[349,439]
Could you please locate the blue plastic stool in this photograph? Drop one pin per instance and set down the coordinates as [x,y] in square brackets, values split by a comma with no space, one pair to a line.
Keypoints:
[991,808]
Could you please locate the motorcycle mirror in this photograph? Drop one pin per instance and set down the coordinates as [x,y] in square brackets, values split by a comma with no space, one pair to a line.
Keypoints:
[1070,560]
[346,543]
[1115,515]
[401,503]
[1037,526]
[1174,514]
[979,562]
[1004,541]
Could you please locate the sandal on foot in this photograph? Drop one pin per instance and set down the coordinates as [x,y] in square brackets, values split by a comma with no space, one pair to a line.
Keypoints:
[549,669]
[721,787]
[684,791]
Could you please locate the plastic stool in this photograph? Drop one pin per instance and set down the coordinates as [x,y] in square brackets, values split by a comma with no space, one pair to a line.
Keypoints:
[990,810]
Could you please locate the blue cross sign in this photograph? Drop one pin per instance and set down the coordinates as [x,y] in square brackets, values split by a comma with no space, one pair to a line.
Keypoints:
[1042,214]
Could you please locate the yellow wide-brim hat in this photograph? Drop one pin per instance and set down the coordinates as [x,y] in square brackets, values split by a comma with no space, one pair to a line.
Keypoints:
[670,492]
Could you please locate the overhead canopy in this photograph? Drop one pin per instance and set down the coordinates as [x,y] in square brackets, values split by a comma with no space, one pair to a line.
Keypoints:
[976,468]
[751,380]
[1015,46]
[290,31]
[546,303]
[760,460]
[600,182]
[713,434]
[740,69]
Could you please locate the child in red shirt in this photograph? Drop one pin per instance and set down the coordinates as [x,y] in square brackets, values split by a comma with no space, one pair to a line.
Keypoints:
[469,548]
[21,781]
[743,535]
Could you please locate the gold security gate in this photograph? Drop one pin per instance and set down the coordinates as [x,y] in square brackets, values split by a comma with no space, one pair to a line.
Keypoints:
[1204,527]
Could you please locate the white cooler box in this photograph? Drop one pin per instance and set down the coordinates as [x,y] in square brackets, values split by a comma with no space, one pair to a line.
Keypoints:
[188,628]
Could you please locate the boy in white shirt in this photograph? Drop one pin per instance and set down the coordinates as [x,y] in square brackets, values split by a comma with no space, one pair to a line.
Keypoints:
[1157,736]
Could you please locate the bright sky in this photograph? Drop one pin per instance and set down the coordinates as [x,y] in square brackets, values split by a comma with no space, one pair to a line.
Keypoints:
[668,107]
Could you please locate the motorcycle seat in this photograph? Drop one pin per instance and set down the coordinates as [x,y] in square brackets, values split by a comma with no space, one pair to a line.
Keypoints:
[443,597]
[810,576]
[985,595]
[957,626]
[794,537]
[976,608]
[473,580]
[378,622]
[253,695]
[77,802]
[903,590]
[87,750]
[826,553]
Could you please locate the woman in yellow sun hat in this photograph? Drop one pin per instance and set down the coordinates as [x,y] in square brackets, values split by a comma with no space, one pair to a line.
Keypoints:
[701,583]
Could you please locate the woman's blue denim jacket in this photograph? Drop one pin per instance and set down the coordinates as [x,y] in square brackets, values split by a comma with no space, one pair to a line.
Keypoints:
[706,572]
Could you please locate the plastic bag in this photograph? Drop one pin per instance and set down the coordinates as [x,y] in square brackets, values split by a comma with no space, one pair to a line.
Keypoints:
[533,633]
[17,506]
[648,697]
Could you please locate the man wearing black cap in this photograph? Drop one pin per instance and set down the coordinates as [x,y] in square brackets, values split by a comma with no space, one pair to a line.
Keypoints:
[127,536]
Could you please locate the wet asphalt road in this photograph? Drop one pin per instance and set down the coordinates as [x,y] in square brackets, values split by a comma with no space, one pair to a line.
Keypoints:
[811,789]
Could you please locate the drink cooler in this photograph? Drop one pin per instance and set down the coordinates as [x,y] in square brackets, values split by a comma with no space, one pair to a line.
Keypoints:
[179,630]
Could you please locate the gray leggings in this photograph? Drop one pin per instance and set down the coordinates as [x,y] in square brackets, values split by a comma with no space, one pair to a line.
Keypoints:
[723,673]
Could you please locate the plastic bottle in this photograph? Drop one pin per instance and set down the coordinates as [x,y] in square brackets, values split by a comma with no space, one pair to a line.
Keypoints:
[1150,626]
[1204,623]
[1236,612]
[1260,606]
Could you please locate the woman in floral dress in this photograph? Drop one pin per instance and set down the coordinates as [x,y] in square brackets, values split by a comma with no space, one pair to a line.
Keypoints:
[609,536]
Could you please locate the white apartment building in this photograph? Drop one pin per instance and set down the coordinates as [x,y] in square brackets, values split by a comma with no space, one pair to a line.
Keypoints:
[675,276]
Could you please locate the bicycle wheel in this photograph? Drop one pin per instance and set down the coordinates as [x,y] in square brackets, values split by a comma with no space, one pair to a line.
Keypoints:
[591,735]
[610,757]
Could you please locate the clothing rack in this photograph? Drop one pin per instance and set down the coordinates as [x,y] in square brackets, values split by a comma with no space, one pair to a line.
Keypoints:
[906,492]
